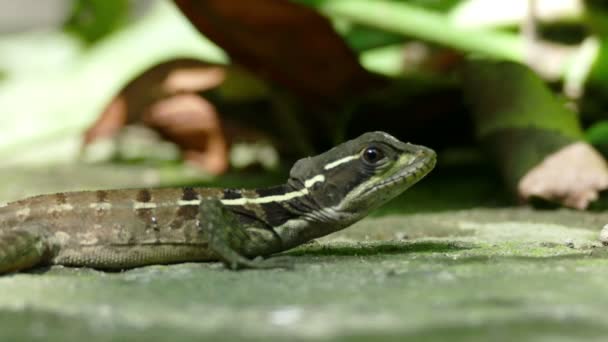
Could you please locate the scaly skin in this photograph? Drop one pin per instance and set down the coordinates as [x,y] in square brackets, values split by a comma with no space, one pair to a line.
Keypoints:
[118,229]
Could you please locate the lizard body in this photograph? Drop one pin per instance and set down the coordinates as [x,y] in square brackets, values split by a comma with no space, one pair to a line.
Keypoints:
[118,229]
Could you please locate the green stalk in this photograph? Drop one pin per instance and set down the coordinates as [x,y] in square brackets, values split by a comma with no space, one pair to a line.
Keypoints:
[416,22]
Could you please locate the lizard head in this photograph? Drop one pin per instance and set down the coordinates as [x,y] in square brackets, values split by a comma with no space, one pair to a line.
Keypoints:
[359,175]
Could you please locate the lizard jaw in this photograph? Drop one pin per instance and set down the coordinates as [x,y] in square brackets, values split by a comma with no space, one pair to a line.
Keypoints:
[405,173]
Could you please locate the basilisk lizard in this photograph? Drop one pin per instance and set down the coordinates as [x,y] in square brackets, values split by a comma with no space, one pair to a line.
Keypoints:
[119,229]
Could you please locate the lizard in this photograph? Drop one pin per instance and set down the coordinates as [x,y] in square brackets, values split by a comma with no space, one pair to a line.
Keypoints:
[127,228]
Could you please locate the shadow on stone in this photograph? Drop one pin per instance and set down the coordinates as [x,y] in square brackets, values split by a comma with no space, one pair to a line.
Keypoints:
[377,248]
[489,259]
[530,328]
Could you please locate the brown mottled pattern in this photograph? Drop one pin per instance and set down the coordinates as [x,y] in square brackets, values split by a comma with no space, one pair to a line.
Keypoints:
[93,219]
[189,194]
[61,204]
[144,196]
[250,193]
[185,212]
[146,215]
[101,196]
[61,198]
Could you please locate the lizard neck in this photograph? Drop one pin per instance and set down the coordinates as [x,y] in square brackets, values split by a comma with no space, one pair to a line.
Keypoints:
[291,210]
[274,205]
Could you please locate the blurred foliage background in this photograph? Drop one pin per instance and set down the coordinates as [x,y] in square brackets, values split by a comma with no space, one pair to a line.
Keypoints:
[226,85]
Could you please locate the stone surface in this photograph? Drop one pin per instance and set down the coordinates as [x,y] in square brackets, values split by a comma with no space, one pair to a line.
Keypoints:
[431,274]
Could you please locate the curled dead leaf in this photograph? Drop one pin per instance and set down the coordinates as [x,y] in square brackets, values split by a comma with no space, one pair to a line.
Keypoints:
[194,125]
[193,79]
[572,176]
[111,120]
[286,43]
[165,98]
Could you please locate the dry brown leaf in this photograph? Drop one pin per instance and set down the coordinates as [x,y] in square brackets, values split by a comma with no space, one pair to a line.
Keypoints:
[194,125]
[283,42]
[111,120]
[164,98]
[193,78]
[572,176]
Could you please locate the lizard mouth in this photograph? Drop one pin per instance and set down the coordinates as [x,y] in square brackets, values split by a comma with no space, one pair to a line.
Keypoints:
[406,177]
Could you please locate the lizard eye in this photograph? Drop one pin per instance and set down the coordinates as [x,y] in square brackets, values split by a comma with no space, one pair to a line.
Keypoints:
[372,155]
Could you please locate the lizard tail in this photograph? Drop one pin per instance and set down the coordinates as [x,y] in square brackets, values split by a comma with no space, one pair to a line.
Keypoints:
[20,249]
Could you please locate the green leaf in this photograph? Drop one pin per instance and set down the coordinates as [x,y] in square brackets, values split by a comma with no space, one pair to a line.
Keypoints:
[507,95]
[92,20]
[597,134]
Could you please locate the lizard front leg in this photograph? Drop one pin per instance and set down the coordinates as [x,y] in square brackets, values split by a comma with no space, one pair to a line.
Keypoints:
[235,242]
